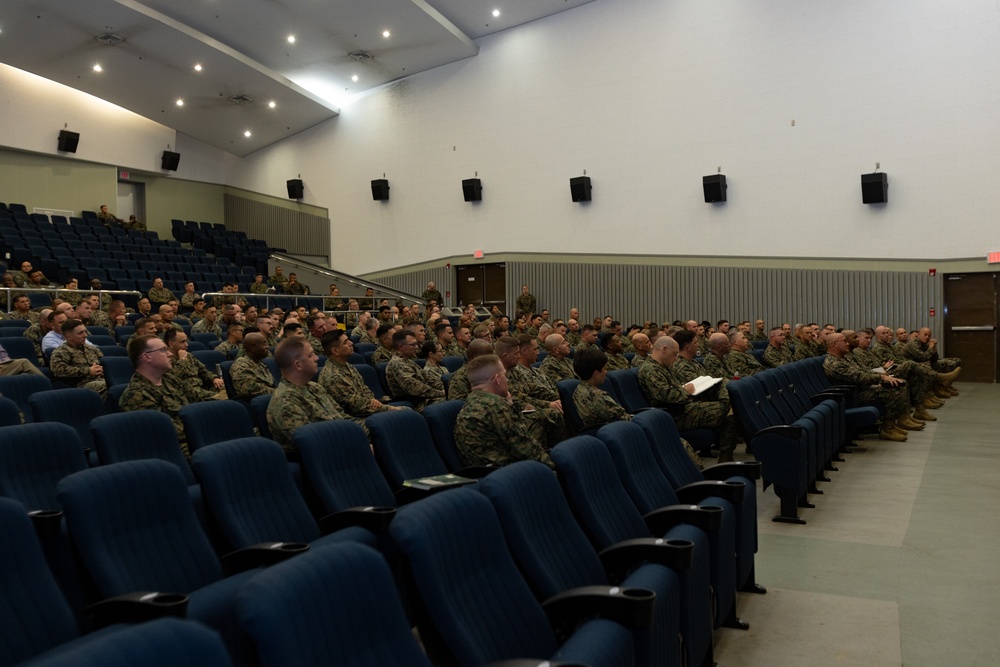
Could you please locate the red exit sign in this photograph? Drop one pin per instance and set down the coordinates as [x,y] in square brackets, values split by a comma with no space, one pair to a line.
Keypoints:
[123,175]
[993,258]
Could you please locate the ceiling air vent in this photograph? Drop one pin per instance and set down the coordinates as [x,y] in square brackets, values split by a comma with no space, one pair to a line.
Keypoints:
[361,56]
[240,99]
[110,39]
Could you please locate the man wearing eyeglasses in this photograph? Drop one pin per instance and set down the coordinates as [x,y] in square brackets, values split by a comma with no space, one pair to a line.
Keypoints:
[152,388]
[407,380]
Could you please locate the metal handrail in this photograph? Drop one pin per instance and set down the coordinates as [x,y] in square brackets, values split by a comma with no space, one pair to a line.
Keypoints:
[345,277]
[56,290]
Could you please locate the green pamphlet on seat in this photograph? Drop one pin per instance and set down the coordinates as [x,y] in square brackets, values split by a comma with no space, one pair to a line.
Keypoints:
[437,482]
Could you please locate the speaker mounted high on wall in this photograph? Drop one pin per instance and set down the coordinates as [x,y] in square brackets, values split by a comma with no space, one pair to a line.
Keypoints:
[296,189]
[170,160]
[875,188]
[472,189]
[714,187]
[380,189]
[579,188]
[68,141]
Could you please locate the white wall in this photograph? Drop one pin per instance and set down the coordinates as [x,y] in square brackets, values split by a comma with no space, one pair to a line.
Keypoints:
[34,109]
[650,95]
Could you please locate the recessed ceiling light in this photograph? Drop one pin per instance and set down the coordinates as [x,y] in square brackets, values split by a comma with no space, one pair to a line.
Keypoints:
[354,78]
[97,68]
[247,134]
[271,104]
[180,103]
[291,39]
[385,33]
[496,12]
[197,68]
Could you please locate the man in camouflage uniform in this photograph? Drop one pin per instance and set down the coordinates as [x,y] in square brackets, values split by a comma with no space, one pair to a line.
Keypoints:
[233,345]
[715,363]
[265,326]
[573,332]
[98,318]
[298,400]
[158,294]
[77,364]
[446,337]
[557,365]
[458,386]
[613,349]
[250,376]
[279,279]
[686,368]
[528,395]
[384,350]
[873,387]
[153,388]
[594,405]
[739,360]
[37,331]
[22,310]
[642,346]
[939,384]
[777,353]
[526,304]
[167,314]
[293,286]
[664,390]
[490,429]
[432,294]
[363,319]
[527,382]
[343,381]
[188,370]
[407,381]
[588,338]
[923,349]
[209,323]
[759,332]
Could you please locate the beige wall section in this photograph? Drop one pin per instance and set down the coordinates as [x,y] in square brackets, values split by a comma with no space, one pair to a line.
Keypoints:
[43,181]
[290,204]
[169,198]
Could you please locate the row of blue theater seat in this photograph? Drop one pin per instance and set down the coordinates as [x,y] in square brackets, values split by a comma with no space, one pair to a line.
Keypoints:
[340,450]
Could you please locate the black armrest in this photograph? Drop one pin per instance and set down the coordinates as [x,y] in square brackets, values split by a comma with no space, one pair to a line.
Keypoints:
[698,491]
[137,607]
[261,555]
[784,431]
[477,472]
[622,557]
[375,519]
[47,523]
[631,607]
[748,469]
[705,517]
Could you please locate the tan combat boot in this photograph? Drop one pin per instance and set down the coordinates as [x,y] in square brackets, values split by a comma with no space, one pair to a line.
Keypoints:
[888,432]
[922,414]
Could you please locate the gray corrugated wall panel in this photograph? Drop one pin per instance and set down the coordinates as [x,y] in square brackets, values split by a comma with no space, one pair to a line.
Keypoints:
[299,233]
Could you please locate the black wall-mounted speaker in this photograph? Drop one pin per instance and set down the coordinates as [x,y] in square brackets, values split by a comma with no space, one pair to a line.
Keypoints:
[874,188]
[714,187]
[380,189]
[472,189]
[68,141]
[295,188]
[580,188]
[169,161]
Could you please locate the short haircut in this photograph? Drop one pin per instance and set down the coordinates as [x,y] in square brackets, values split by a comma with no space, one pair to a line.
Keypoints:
[720,323]
[478,348]
[170,334]
[505,345]
[70,324]
[331,338]
[441,326]
[482,368]
[525,339]
[684,337]
[136,346]
[589,361]
[233,326]
[589,327]
[288,351]
[141,322]
[399,338]
[291,327]
[371,323]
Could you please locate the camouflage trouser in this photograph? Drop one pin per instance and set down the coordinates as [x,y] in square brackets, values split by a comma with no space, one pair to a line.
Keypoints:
[919,379]
[713,415]
[947,364]
[98,385]
[545,426]
[896,400]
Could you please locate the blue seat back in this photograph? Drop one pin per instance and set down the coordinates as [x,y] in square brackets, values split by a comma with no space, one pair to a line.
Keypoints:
[370,376]
[566,390]
[452,363]
[291,610]
[258,408]
[10,415]
[339,466]
[18,347]
[627,389]
[117,370]
[209,422]
[441,419]
[34,615]
[210,358]
[135,529]
[33,458]
[73,407]
[137,435]
[19,388]
[637,469]
[665,444]
[404,446]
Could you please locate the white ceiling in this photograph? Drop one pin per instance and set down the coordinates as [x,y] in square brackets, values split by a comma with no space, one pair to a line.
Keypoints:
[243,48]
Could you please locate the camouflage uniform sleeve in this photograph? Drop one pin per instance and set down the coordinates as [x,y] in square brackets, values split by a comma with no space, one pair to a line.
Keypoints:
[458,387]
[248,380]
[64,364]
[348,388]
[913,350]
[405,379]
[595,407]
[657,384]
[489,431]
[842,371]
[716,367]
